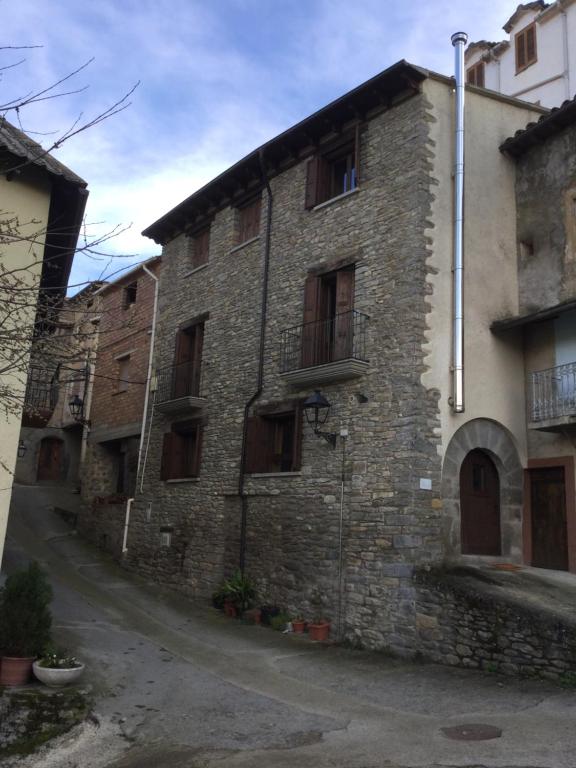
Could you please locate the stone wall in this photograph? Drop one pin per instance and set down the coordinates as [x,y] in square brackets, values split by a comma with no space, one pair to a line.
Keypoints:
[470,619]
[389,524]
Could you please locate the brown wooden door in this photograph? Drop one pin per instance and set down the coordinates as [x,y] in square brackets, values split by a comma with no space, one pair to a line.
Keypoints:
[548,513]
[188,361]
[50,459]
[479,505]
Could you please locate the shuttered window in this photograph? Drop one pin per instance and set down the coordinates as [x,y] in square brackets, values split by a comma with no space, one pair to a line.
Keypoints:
[199,245]
[328,330]
[526,48]
[249,221]
[273,441]
[181,451]
[475,75]
[333,171]
[188,361]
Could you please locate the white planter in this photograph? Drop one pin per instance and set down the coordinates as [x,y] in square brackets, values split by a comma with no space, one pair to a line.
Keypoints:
[55,678]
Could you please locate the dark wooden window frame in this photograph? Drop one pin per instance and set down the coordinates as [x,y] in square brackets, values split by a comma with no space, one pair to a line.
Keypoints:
[323,172]
[248,219]
[567,462]
[129,294]
[525,47]
[274,439]
[182,451]
[188,353]
[475,75]
[199,247]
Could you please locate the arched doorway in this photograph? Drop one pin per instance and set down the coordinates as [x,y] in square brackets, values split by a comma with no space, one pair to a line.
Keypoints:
[50,459]
[480,505]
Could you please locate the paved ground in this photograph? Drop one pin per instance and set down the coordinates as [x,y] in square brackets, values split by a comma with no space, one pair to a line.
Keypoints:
[180,686]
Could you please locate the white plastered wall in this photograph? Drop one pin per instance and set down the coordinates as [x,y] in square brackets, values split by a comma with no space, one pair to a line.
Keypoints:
[27,197]
[493,366]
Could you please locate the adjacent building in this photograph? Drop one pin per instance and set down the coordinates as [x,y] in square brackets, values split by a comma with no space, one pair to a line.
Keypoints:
[41,208]
[537,62]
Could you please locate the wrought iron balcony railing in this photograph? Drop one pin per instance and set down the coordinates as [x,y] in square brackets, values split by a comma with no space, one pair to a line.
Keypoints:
[178,381]
[553,393]
[41,389]
[341,337]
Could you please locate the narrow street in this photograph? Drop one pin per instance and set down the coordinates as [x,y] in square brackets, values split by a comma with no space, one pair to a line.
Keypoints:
[178,685]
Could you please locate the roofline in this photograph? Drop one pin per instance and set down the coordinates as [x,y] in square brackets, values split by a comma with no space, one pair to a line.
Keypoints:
[114,283]
[536,133]
[489,94]
[403,75]
[533,317]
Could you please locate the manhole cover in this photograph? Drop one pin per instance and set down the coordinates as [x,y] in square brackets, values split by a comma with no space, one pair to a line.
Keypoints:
[472,732]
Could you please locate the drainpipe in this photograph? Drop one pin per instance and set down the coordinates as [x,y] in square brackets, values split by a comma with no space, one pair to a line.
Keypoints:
[260,377]
[145,412]
[566,51]
[459,40]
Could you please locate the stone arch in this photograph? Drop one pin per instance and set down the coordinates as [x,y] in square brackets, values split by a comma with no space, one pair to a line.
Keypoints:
[496,441]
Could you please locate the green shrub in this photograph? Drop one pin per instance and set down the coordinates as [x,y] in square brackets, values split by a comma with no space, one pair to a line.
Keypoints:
[239,589]
[25,618]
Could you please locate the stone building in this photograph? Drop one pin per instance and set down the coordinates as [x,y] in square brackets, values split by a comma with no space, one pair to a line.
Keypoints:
[115,411]
[323,261]
[538,61]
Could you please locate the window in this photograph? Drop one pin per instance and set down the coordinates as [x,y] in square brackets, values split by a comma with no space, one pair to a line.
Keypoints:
[249,221]
[123,373]
[273,440]
[333,171]
[181,451]
[328,330]
[200,247]
[129,295]
[475,75]
[188,361]
[166,537]
[525,48]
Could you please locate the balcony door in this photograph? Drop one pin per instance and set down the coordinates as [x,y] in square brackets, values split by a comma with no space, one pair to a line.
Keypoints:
[479,505]
[188,361]
[327,334]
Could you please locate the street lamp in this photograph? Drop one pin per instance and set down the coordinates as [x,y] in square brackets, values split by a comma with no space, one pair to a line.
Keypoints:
[22,448]
[76,406]
[317,408]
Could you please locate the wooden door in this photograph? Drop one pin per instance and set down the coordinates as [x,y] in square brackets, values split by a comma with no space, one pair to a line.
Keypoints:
[50,459]
[188,360]
[479,505]
[344,331]
[548,513]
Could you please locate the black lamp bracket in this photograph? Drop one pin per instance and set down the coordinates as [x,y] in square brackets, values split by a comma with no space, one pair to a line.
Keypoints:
[330,437]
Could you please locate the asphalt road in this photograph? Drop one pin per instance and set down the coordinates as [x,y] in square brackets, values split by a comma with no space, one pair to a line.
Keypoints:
[178,685]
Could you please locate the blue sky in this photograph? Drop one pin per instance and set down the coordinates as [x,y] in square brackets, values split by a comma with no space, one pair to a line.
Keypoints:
[217,78]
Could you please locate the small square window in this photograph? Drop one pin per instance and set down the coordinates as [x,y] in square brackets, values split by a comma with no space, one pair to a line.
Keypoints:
[129,295]
[273,441]
[165,537]
[333,171]
[181,451]
[249,221]
[475,75]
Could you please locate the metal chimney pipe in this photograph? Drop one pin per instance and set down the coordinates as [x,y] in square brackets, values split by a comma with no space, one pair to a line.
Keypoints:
[459,40]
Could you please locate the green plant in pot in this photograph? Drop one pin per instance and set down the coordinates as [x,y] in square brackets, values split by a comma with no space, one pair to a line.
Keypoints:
[240,592]
[25,623]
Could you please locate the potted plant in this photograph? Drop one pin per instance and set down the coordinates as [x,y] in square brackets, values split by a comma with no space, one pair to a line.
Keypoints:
[298,625]
[25,622]
[236,594]
[57,668]
[319,629]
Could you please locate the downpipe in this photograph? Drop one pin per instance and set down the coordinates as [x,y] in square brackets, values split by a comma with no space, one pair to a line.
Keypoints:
[459,40]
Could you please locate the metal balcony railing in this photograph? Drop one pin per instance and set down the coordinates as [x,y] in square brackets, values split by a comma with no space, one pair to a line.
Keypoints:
[42,389]
[553,393]
[325,341]
[177,381]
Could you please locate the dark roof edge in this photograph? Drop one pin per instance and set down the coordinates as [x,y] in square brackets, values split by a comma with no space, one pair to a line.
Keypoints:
[535,133]
[489,94]
[127,275]
[533,317]
[403,73]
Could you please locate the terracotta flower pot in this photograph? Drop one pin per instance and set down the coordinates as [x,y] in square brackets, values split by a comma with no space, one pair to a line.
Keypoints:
[319,631]
[298,626]
[253,615]
[15,671]
[230,609]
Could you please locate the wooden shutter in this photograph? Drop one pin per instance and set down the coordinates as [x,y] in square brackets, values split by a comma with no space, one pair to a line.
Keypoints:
[297,442]
[343,337]
[197,450]
[166,466]
[530,36]
[201,248]
[357,153]
[520,51]
[312,182]
[310,329]
[257,445]
[197,359]
[182,362]
[480,74]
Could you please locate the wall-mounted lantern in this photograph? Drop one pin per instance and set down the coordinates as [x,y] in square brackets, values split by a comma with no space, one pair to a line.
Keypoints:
[22,448]
[317,408]
[76,406]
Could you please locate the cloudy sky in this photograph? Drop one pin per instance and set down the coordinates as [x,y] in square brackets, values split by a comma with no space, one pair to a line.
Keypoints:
[217,79]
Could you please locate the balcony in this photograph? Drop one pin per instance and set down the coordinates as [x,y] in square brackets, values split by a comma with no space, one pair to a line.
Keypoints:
[41,396]
[553,398]
[178,389]
[325,351]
